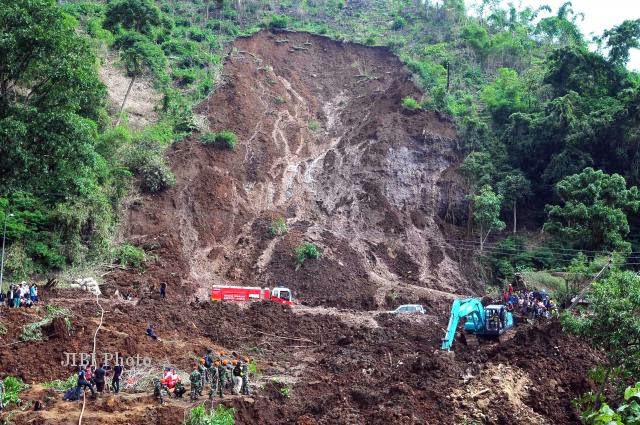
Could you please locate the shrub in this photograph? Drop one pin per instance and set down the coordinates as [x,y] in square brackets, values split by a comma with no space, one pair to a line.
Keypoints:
[279,100]
[278,21]
[314,125]
[13,386]
[128,255]
[398,23]
[278,227]
[306,251]
[224,139]
[156,175]
[410,103]
[184,76]
[3,329]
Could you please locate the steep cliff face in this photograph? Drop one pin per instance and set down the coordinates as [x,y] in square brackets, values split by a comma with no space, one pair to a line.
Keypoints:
[324,142]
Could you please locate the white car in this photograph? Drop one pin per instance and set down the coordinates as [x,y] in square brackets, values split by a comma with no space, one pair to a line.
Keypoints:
[409,309]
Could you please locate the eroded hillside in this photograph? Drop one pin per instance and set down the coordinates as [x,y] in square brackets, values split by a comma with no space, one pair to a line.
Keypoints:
[325,143]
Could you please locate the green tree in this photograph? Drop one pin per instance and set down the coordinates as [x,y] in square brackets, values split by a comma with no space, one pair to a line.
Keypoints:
[593,211]
[505,96]
[133,15]
[486,213]
[478,169]
[621,39]
[514,187]
[611,322]
[51,104]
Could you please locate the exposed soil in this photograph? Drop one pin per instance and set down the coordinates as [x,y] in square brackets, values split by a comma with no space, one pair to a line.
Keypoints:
[323,142]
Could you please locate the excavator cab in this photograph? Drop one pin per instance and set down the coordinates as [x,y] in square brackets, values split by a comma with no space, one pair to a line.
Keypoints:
[497,320]
[283,294]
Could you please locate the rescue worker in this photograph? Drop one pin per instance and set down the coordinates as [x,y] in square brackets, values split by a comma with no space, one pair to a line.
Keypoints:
[222,376]
[157,389]
[196,383]
[179,389]
[99,378]
[245,376]
[213,378]
[115,381]
[237,376]
[83,383]
[203,373]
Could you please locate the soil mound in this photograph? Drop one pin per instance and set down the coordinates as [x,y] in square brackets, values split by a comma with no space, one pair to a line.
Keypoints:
[323,142]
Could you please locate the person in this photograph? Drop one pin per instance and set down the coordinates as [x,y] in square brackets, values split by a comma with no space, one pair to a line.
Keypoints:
[163,289]
[245,377]
[222,376]
[10,297]
[83,382]
[33,293]
[179,389]
[16,297]
[237,376]
[2,297]
[203,372]
[157,390]
[99,378]
[196,380]
[208,359]
[151,332]
[115,381]
[213,378]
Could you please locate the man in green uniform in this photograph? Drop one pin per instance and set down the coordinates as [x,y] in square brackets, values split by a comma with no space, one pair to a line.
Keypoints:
[213,378]
[196,383]
[222,376]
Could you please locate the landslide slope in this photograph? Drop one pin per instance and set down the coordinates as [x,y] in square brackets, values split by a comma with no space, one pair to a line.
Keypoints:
[324,142]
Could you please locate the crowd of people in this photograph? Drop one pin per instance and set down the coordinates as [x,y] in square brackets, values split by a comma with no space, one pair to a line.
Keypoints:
[532,304]
[219,372]
[20,295]
[96,380]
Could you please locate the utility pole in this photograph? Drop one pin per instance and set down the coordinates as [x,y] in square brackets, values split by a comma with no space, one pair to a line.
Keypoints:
[4,238]
[582,293]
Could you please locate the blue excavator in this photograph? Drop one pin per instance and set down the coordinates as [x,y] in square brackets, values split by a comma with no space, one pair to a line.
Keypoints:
[485,322]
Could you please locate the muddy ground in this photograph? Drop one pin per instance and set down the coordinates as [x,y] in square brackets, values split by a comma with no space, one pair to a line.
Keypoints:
[324,142]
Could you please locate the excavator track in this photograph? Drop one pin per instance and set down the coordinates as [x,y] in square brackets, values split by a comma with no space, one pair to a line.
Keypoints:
[471,340]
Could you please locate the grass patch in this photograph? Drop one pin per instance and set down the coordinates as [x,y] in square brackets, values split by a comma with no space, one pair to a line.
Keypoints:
[544,280]
[306,251]
[410,103]
[279,100]
[314,125]
[223,139]
[3,329]
[221,415]
[60,385]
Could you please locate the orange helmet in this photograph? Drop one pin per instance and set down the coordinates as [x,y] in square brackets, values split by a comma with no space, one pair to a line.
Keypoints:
[217,363]
[225,362]
[201,361]
[222,353]
[234,362]
[246,359]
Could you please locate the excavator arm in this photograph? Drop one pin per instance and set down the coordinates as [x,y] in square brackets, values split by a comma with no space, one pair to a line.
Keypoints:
[471,307]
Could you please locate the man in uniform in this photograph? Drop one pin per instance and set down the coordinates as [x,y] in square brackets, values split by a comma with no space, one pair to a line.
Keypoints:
[196,382]
[222,376]
[213,378]
[245,376]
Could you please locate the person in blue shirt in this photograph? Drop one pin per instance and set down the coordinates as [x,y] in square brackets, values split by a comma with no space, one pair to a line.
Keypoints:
[83,383]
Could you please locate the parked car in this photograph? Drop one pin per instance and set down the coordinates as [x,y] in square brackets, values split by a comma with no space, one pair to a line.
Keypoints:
[409,309]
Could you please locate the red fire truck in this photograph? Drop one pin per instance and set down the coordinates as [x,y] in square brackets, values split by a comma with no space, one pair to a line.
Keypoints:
[251,293]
